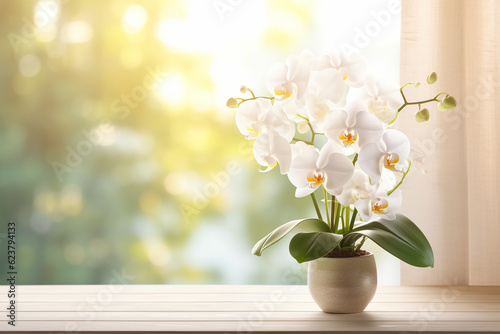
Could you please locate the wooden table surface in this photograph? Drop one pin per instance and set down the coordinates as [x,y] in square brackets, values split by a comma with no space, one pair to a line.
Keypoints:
[233,308]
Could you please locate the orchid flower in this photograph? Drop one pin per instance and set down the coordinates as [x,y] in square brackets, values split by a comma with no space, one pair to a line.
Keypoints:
[270,149]
[351,69]
[325,90]
[418,160]
[288,79]
[379,204]
[256,116]
[390,152]
[353,125]
[312,168]
[382,100]
[299,147]
[358,187]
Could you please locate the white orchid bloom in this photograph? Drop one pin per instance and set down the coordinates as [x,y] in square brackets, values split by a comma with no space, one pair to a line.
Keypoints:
[351,69]
[418,160]
[325,90]
[357,188]
[256,116]
[288,80]
[299,147]
[383,100]
[390,152]
[379,204]
[353,125]
[327,85]
[312,168]
[270,149]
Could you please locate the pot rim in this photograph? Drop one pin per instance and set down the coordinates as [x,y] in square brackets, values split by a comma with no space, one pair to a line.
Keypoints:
[347,257]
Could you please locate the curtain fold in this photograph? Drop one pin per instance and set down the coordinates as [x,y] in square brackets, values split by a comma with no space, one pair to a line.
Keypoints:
[457,203]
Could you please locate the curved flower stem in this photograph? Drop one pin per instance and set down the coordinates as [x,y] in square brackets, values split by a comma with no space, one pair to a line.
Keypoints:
[347,217]
[272,98]
[406,103]
[313,133]
[360,244]
[355,159]
[326,207]
[337,216]
[400,181]
[353,219]
[332,210]
[251,92]
[318,212]
[344,227]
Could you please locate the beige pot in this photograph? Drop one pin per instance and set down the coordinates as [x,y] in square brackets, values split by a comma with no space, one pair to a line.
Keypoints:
[343,285]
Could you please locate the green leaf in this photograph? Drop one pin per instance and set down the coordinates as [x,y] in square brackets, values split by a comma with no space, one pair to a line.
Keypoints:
[400,237]
[311,246]
[299,225]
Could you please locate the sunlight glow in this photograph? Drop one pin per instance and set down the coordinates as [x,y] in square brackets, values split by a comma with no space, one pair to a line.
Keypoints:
[172,89]
[77,32]
[134,19]
[29,65]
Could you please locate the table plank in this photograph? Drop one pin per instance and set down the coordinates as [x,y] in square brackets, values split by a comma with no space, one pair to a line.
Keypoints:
[255,297]
[257,325]
[240,289]
[246,307]
[268,316]
[266,309]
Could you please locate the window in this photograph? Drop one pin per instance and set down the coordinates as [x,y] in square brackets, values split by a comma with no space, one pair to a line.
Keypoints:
[119,153]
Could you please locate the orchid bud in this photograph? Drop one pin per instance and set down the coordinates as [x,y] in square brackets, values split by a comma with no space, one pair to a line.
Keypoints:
[449,102]
[441,107]
[303,127]
[417,85]
[422,115]
[243,89]
[432,78]
[232,103]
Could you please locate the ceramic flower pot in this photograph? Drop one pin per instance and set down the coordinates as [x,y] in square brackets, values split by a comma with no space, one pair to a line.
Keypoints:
[343,285]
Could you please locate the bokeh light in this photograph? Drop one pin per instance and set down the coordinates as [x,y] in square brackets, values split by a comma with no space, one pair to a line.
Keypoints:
[118,146]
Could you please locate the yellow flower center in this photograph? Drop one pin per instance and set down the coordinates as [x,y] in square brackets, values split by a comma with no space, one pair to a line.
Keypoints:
[390,160]
[348,137]
[282,92]
[380,206]
[315,179]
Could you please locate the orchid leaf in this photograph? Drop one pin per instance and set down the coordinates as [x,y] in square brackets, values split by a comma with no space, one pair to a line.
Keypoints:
[311,246]
[400,237]
[299,225]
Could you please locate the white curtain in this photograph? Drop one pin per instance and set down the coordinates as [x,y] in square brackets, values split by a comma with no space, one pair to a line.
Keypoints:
[457,203]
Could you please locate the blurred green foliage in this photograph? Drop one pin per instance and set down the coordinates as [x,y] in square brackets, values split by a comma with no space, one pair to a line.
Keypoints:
[129,199]
[166,189]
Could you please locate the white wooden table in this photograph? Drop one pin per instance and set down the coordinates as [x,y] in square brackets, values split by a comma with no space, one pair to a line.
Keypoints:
[217,308]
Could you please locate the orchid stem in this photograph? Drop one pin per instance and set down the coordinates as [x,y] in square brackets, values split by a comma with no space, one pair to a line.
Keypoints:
[326,207]
[344,227]
[251,92]
[358,247]
[400,181]
[406,103]
[337,215]
[353,219]
[355,159]
[318,212]
[254,98]
[333,213]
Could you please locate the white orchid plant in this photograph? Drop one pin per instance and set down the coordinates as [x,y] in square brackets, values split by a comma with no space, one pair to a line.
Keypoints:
[329,126]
